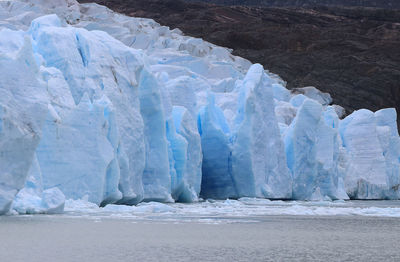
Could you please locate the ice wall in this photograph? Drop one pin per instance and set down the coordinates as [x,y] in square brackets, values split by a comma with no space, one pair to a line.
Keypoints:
[22,113]
[371,142]
[258,157]
[112,109]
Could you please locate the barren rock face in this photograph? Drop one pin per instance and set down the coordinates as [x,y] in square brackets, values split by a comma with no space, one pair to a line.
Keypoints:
[306,3]
[351,52]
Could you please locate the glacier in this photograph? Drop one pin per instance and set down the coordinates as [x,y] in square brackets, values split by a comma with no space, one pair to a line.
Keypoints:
[112,109]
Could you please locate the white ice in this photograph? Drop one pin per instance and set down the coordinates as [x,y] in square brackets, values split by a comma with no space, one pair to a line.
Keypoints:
[113,109]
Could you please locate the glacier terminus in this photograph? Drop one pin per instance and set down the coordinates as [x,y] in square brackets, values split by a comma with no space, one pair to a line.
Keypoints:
[114,109]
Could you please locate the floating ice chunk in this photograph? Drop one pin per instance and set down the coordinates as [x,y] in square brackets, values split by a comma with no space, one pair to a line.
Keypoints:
[153,207]
[81,206]
[118,209]
[53,200]
[254,201]
[27,202]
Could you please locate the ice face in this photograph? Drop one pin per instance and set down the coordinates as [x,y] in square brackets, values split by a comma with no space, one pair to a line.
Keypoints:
[328,145]
[301,150]
[390,143]
[245,158]
[366,171]
[156,176]
[60,152]
[32,199]
[84,69]
[112,109]
[313,149]
[258,158]
[22,112]
[217,181]
[187,158]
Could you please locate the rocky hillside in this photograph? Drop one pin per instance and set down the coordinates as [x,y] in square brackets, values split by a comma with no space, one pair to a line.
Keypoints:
[307,3]
[351,52]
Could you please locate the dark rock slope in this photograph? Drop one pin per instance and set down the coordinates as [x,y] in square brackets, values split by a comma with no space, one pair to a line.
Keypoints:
[351,52]
[307,3]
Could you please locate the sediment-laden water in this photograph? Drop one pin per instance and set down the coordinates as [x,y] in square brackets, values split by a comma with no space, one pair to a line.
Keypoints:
[245,230]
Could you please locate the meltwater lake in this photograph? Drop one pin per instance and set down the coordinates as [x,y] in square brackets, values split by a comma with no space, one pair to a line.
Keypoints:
[231,230]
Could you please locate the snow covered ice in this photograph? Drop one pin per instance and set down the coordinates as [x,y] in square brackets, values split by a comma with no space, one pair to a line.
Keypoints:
[112,109]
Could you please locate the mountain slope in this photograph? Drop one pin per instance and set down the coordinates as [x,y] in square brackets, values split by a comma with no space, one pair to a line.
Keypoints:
[307,3]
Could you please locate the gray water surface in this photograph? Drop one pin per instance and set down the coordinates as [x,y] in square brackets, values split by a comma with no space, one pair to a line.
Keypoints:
[271,238]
